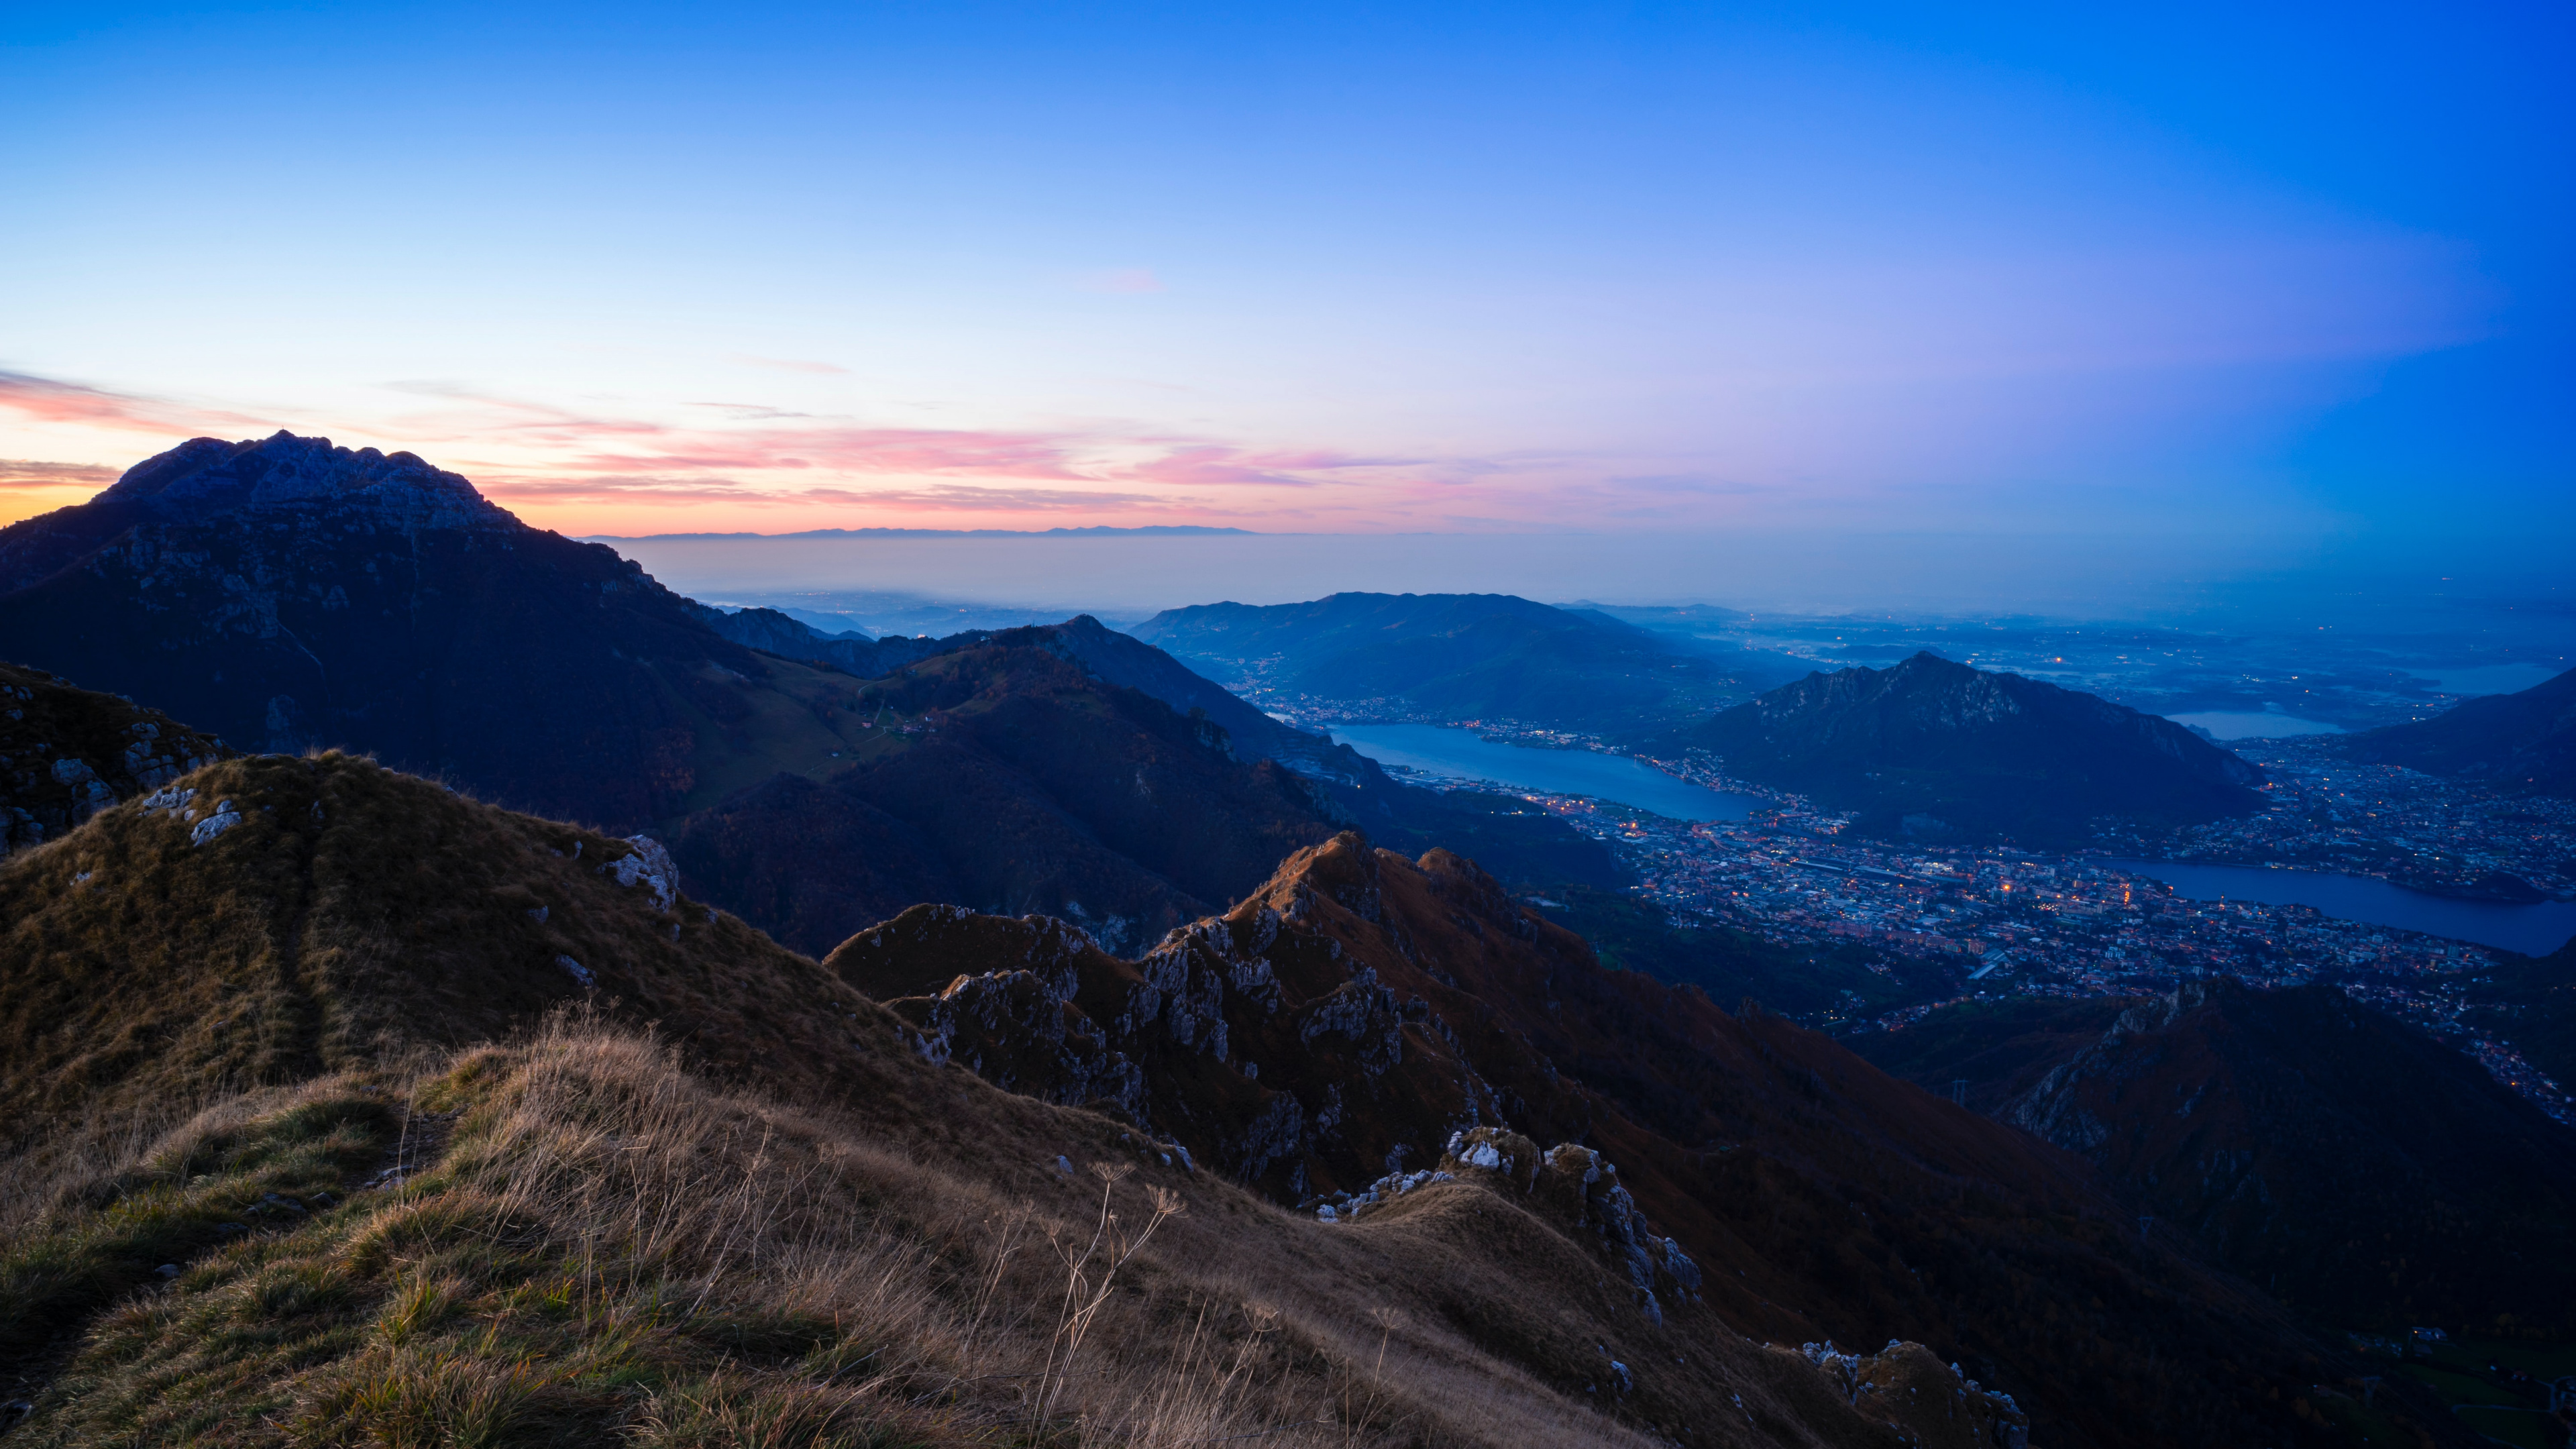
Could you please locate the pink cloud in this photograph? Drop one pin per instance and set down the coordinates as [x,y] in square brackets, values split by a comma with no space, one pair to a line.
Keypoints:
[594,461]
[856,450]
[49,401]
[1213,465]
[18,474]
[975,498]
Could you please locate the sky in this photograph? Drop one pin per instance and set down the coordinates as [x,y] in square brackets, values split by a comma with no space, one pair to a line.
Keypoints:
[2202,291]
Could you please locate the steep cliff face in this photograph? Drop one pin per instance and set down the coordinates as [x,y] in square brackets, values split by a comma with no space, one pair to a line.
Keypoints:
[67,753]
[1934,747]
[1360,1019]
[2326,1151]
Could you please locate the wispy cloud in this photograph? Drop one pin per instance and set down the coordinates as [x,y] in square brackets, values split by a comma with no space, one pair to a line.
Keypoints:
[50,401]
[593,461]
[1212,465]
[20,474]
[974,498]
[848,450]
[631,488]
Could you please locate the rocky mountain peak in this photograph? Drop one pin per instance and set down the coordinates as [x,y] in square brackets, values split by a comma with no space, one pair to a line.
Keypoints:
[207,476]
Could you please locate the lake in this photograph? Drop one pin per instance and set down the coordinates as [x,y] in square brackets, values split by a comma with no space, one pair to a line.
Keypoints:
[2230,724]
[1459,753]
[2534,930]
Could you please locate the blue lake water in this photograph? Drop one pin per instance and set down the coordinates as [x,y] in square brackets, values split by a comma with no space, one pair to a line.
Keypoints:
[2229,724]
[2534,930]
[1461,754]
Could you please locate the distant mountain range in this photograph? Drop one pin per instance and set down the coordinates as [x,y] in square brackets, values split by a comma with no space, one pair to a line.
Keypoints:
[1455,657]
[287,594]
[1156,530]
[2363,1171]
[1929,747]
[2521,741]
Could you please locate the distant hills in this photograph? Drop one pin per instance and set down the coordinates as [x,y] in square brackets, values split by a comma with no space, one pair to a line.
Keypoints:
[286,594]
[1454,656]
[2363,1171]
[1930,747]
[1156,530]
[2523,741]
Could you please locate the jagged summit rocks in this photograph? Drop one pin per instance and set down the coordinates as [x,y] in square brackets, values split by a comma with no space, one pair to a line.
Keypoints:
[1933,747]
[1328,1038]
[205,476]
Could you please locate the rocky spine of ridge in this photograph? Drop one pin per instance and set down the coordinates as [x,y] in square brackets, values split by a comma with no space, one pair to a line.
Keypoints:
[1327,1039]
[67,753]
[1933,747]
[270,922]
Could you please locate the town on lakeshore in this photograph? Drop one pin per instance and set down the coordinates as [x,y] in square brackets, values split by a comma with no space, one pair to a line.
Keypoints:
[2009,921]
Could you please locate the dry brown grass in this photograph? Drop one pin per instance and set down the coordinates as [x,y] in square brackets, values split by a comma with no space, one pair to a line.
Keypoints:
[611,1246]
[768,1222]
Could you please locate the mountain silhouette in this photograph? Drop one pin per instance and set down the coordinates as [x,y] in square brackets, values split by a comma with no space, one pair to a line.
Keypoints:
[1936,748]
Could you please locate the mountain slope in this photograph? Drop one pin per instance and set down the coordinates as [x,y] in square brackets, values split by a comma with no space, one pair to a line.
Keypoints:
[67,753]
[2526,740]
[1338,1027]
[1453,655]
[292,594]
[1933,746]
[1003,776]
[284,593]
[429,1206]
[2370,1175]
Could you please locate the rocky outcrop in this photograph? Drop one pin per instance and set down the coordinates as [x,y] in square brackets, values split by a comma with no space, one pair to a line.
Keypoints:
[1930,1403]
[1385,1042]
[1577,1189]
[67,753]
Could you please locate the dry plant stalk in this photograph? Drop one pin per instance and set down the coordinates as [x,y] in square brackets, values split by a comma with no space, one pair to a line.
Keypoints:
[1083,1298]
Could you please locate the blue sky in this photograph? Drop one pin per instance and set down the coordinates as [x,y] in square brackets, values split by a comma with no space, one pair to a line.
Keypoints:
[2233,290]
